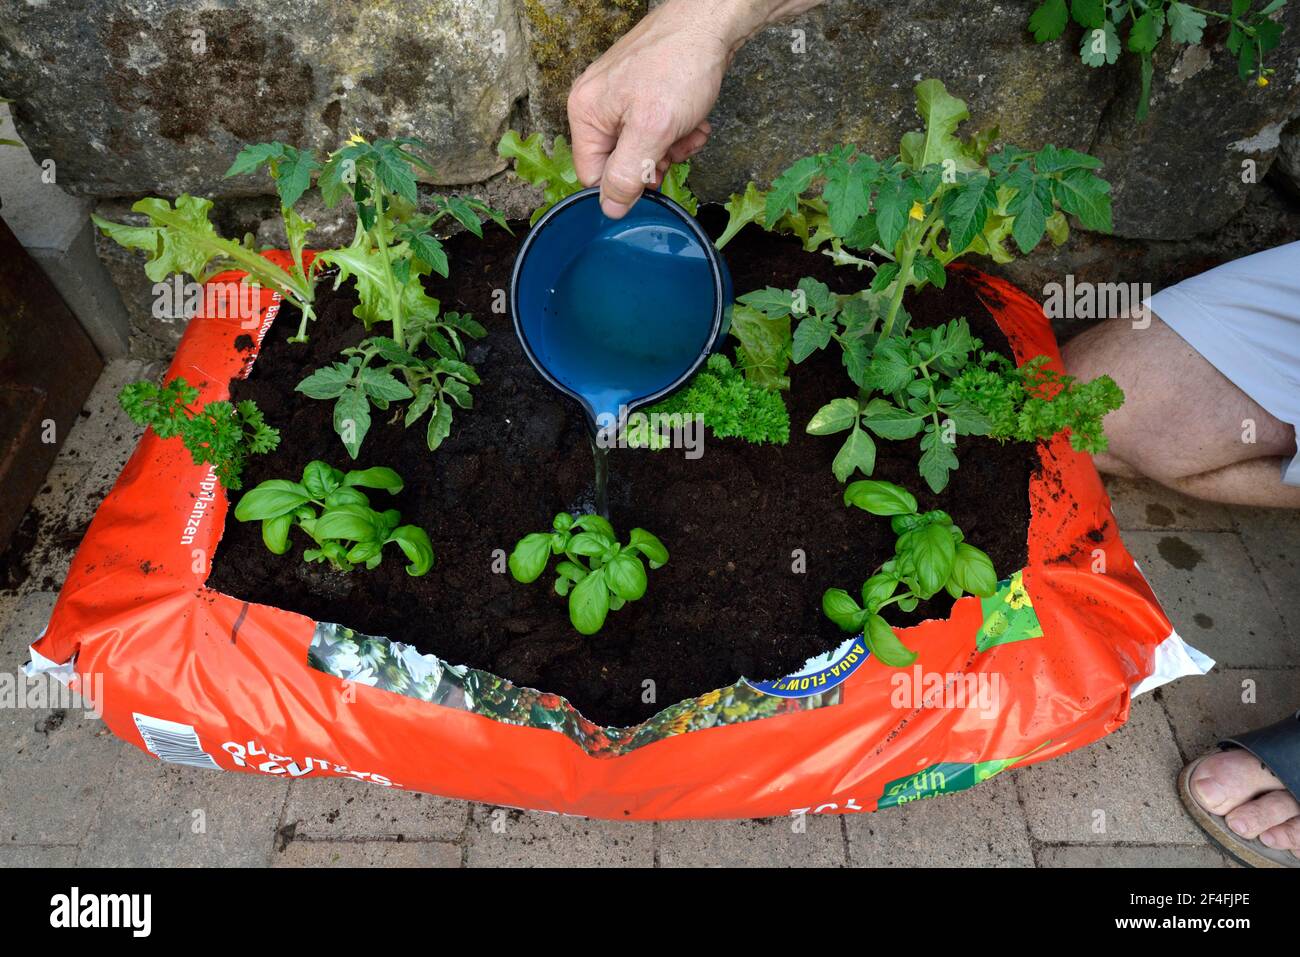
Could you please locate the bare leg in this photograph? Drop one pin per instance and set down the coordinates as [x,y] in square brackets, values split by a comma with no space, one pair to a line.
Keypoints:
[1183,423]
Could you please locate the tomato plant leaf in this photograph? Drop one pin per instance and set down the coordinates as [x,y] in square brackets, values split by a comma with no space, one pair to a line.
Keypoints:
[857,453]
[835,416]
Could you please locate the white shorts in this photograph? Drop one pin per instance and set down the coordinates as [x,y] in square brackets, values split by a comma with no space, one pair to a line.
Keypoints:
[1244,318]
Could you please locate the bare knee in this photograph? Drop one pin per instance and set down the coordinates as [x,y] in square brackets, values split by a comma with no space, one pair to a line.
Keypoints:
[1181,417]
[1117,349]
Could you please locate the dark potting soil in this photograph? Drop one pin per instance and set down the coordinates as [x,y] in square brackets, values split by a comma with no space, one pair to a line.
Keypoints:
[736,521]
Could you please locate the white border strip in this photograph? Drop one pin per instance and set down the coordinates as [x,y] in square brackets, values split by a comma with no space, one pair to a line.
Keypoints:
[1174,658]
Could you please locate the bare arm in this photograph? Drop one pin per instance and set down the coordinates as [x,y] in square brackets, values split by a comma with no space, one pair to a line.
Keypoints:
[645,102]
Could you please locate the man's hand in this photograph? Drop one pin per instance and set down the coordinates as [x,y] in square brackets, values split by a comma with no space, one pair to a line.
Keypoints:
[644,103]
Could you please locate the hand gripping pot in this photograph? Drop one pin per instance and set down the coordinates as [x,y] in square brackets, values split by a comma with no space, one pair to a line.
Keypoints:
[618,313]
[1049,663]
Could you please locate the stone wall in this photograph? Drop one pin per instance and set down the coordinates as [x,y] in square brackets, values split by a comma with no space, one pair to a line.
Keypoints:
[139,97]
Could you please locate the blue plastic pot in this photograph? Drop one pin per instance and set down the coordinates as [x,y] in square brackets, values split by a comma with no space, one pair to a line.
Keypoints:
[617,314]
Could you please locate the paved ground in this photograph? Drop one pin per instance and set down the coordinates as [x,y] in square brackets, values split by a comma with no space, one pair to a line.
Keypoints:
[72,793]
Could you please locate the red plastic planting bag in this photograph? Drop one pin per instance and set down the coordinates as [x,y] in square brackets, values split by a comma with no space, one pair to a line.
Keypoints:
[1046,665]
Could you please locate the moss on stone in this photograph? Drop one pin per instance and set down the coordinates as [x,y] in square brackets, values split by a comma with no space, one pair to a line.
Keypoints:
[564,41]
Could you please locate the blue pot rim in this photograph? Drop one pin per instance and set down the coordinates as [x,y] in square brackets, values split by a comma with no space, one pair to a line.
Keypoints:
[711,255]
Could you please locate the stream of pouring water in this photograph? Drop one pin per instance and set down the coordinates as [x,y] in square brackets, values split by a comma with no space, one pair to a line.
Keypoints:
[624,320]
[601,457]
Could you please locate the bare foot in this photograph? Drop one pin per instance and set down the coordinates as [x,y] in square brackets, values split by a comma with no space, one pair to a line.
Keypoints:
[1235,785]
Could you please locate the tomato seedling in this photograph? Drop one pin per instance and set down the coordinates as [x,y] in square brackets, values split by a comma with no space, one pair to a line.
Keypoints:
[379,371]
[935,383]
[292,170]
[394,249]
[394,245]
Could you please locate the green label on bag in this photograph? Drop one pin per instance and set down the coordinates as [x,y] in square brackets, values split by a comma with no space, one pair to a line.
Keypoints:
[1008,615]
[945,778]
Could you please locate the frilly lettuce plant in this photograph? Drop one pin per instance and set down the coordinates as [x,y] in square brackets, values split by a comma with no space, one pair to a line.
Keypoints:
[552,171]
[181,239]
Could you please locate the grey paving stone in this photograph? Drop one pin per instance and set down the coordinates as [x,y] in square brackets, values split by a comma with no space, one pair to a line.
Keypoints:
[104,437]
[54,764]
[1272,539]
[367,854]
[1128,855]
[769,842]
[1211,591]
[21,623]
[33,855]
[1117,790]
[1227,701]
[155,814]
[1140,504]
[983,826]
[334,808]
[22,619]
[87,466]
[503,837]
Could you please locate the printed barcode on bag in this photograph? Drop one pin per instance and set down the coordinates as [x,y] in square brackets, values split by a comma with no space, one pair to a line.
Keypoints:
[170,741]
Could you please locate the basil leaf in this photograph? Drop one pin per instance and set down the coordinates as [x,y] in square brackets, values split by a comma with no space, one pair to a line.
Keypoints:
[885,645]
[377,477]
[346,496]
[972,571]
[270,499]
[588,544]
[880,498]
[589,603]
[840,608]
[529,558]
[649,546]
[626,576]
[365,553]
[879,588]
[415,545]
[594,523]
[351,523]
[934,552]
[275,533]
[319,479]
